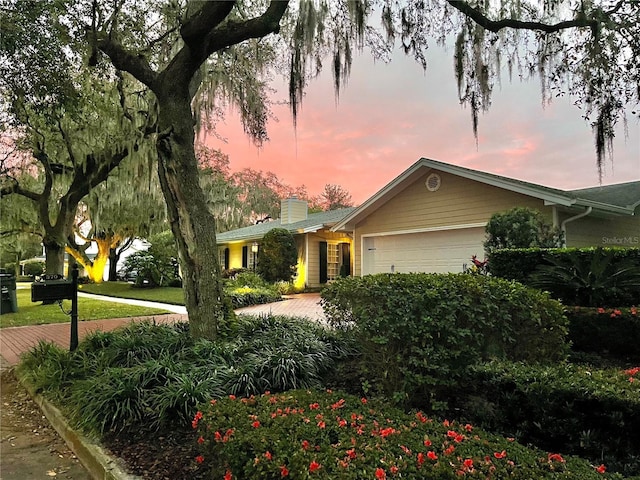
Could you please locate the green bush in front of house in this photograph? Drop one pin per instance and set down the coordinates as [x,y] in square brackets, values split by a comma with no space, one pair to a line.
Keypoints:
[418,333]
[575,409]
[277,256]
[612,332]
[589,277]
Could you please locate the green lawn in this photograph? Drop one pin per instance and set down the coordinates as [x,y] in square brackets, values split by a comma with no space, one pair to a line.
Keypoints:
[170,295]
[30,313]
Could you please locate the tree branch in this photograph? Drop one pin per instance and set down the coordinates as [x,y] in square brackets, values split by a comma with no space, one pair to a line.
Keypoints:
[230,32]
[122,59]
[200,23]
[496,25]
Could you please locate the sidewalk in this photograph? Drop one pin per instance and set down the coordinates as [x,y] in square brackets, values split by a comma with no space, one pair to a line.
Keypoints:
[16,340]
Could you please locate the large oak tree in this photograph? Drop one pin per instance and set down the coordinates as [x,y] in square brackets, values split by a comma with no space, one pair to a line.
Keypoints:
[188,52]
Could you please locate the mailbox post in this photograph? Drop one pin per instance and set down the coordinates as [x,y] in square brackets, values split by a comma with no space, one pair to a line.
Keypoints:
[56,288]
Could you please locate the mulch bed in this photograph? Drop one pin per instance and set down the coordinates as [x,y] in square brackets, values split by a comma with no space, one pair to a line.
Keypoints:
[161,455]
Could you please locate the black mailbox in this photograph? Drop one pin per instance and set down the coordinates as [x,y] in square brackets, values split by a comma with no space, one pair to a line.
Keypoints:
[52,290]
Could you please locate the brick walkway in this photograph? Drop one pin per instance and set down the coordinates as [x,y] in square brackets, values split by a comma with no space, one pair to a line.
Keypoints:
[16,340]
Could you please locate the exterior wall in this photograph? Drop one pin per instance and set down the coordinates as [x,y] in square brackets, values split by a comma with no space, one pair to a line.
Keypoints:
[458,201]
[313,254]
[308,274]
[235,253]
[592,231]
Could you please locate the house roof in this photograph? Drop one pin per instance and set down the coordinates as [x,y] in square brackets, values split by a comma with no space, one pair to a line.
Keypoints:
[313,223]
[621,194]
[620,199]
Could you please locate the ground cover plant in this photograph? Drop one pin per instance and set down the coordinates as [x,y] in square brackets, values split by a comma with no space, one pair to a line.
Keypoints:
[148,376]
[329,435]
[30,313]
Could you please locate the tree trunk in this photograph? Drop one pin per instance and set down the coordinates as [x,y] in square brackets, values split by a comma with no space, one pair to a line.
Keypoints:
[54,255]
[193,226]
[114,257]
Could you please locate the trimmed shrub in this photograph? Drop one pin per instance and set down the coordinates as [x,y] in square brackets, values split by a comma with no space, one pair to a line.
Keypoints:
[597,277]
[576,409]
[515,263]
[418,333]
[33,269]
[331,435]
[612,332]
[277,256]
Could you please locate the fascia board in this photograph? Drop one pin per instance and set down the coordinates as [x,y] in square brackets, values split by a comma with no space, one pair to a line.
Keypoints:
[605,207]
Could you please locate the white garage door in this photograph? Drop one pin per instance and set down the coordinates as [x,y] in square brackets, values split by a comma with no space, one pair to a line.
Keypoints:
[438,252]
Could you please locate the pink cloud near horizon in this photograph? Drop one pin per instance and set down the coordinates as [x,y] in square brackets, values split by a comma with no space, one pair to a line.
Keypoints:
[390,115]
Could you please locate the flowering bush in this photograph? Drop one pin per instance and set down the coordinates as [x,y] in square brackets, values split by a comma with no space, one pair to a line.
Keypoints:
[330,435]
[612,331]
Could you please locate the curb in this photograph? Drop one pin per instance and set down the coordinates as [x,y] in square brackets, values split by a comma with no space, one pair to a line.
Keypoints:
[99,464]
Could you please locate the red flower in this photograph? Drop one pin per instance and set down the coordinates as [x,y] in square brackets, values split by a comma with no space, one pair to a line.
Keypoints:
[600,310]
[199,459]
[468,427]
[321,424]
[255,424]
[380,474]
[555,457]
[427,443]
[501,454]
[338,404]
[432,455]
[314,406]
[313,466]
[196,419]
[450,449]
[227,475]
[634,311]
[385,432]
[232,397]
[267,455]
[201,439]
[364,400]
[468,464]
[351,453]
[342,422]
[394,469]
[420,458]
[284,471]
[601,469]
[305,445]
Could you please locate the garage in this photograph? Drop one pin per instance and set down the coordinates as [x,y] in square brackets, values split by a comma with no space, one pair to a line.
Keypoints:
[441,251]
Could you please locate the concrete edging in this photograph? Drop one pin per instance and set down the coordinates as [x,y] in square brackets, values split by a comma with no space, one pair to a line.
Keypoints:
[98,463]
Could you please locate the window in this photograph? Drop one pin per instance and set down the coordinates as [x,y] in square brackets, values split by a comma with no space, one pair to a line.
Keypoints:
[333,261]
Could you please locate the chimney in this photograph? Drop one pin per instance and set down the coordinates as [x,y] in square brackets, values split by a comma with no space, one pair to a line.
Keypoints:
[292,210]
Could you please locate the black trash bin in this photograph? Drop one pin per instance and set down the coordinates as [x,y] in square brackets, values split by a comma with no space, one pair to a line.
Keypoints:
[8,302]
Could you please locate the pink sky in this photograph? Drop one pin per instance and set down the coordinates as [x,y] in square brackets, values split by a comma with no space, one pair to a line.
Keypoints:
[390,115]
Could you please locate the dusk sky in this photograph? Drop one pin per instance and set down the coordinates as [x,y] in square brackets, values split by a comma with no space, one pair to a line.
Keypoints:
[390,115]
